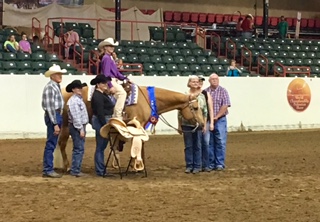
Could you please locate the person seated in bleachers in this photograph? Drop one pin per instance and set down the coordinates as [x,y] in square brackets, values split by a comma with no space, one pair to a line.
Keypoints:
[71,38]
[25,44]
[118,61]
[233,70]
[11,45]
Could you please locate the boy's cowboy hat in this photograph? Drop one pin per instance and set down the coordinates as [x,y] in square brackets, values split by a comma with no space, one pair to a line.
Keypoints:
[100,79]
[201,78]
[53,70]
[75,84]
[108,41]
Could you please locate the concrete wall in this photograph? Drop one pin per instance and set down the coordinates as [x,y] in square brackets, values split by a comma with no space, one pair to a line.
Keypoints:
[257,103]
[288,8]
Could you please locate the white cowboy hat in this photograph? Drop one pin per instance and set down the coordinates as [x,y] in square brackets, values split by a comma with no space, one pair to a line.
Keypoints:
[54,69]
[108,41]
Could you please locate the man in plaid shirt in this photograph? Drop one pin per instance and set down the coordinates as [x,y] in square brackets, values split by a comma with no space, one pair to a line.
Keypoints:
[78,119]
[218,138]
[52,104]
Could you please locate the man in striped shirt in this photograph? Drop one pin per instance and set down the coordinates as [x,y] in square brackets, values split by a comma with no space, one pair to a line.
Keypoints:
[78,119]
[218,138]
[52,104]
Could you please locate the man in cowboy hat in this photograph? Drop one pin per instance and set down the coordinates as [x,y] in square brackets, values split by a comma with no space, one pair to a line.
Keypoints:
[109,69]
[52,104]
[78,119]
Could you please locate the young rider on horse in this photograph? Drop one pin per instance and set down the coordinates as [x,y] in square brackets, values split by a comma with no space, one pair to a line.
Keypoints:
[109,69]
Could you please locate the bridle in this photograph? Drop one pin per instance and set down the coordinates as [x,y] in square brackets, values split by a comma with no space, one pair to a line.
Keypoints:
[188,105]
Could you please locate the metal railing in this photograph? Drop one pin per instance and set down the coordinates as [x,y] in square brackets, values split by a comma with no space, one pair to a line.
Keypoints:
[297,70]
[263,65]
[244,58]
[217,44]
[232,49]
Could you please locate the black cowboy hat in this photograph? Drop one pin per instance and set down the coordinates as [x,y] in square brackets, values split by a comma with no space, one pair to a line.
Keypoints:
[100,79]
[75,84]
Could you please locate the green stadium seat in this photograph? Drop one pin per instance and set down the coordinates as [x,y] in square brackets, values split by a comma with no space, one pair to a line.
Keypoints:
[207,69]
[9,56]
[273,54]
[132,58]
[129,49]
[316,62]
[141,50]
[149,67]
[156,59]
[167,59]
[296,48]
[197,52]
[172,68]
[195,68]
[9,65]
[38,56]
[158,35]
[213,60]
[292,54]
[183,45]
[172,45]
[186,73]
[311,55]
[24,65]
[289,62]
[175,52]
[151,44]
[152,73]
[119,49]
[314,48]
[298,62]
[193,45]
[170,36]
[315,70]
[160,67]
[23,57]
[305,48]
[139,44]
[307,62]
[92,41]
[283,54]
[220,70]
[181,36]
[153,51]
[224,61]
[183,67]
[38,65]
[179,59]
[164,51]
[144,58]
[51,58]
[186,52]
[191,59]
[202,60]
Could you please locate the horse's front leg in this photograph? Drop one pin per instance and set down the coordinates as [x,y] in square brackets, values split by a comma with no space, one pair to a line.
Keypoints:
[63,139]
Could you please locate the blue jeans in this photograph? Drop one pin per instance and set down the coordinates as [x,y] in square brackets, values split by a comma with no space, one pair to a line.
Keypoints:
[192,151]
[51,143]
[101,145]
[217,145]
[205,147]
[10,48]
[78,150]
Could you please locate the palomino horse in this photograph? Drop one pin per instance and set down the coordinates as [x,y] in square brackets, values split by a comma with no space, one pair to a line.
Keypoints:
[166,101]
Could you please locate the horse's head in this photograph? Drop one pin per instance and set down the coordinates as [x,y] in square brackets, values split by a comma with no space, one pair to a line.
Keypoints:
[192,111]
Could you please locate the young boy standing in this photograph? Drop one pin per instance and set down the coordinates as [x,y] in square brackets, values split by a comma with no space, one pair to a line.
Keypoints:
[78,119]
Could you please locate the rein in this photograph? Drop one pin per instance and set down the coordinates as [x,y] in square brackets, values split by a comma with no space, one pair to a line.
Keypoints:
[164,119]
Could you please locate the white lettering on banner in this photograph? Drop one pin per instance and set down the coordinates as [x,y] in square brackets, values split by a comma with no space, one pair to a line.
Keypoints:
[258,103]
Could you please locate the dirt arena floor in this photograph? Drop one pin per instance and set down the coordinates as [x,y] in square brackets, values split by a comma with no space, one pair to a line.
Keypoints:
[269,177]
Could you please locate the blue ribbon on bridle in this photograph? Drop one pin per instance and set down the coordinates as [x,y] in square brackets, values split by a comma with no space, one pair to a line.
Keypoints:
[153,120]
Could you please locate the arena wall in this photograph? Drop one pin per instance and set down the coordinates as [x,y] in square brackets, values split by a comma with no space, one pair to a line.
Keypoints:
[257,103]
[288,8]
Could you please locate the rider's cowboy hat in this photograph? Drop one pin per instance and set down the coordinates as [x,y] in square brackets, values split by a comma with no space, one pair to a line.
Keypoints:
[108,42]
[75,84]
[100,79]
[53,70]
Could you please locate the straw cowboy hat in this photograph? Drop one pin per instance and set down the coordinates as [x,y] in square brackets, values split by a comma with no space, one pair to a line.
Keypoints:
[54,69]
[108,42]
[100,79]
[125,132]
[75,84]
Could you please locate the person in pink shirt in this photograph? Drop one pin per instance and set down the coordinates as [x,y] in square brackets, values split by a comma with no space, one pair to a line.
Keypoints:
[71,38]
[25,44]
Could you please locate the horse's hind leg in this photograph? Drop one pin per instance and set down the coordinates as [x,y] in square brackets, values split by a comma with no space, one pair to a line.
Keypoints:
[63,139]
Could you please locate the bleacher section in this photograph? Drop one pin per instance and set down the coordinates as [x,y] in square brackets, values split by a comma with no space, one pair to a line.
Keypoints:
[265,53]
[24,63]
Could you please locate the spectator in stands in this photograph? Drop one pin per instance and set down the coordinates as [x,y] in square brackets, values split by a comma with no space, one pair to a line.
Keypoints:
[247,26]
[209,127]
[71,38]
[11,45]
[283,28]
[109,69]
[78,119]
[192,140]
[238,27]
[233,70]
[118,61]
[24,44]
[218,138]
